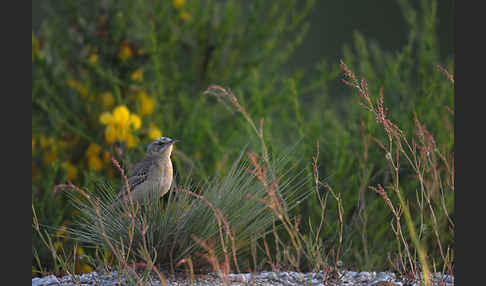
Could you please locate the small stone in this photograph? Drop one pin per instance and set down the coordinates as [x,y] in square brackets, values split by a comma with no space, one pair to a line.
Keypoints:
[365,276]
[49,280]
[317,275]
[299,278]
[242,277]
[386,283]
[35,281]
[382,276]
[268,275]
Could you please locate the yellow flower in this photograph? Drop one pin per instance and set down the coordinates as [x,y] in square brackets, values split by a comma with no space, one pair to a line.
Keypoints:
[135,121]
[93,150]
[154,132]
[50,155]
[80,251]
[106,118]
[72,171]
[83,268]
[147,103]
[107,99]
[119,124]
[185,16]
[130,141]
[110,134]
[95,163]
[125,52]
[137,75]
[46,142]
[79,87]
[121,115]
[92,153]
[93,58]
[49,147]
[106,157]
[179,3]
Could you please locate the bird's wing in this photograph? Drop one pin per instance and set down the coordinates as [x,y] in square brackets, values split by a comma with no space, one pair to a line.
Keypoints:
[137,175]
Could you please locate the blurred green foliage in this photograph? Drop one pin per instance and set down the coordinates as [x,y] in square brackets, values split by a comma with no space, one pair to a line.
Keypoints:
[145,64]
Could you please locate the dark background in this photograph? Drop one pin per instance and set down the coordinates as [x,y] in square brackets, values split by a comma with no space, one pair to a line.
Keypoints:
[332,24]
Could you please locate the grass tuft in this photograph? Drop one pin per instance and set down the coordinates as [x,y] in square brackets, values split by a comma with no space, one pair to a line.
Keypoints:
[177,227]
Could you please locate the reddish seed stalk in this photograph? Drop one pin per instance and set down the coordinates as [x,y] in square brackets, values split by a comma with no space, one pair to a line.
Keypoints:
[420,155]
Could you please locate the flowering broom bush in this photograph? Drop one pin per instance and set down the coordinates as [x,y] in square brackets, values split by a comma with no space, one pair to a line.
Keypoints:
[110,77]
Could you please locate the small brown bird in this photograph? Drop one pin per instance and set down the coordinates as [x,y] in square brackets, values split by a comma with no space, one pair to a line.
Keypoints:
[151,175]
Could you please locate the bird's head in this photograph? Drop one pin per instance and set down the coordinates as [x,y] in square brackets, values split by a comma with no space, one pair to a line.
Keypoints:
[161,145]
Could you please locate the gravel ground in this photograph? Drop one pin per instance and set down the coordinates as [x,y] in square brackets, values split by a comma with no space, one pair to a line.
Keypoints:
[264,278]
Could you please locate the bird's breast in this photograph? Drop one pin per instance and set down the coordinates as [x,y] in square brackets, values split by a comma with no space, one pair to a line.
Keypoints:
[165,173]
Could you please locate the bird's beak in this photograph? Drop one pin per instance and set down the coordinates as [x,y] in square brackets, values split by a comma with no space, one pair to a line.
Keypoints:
[174,141]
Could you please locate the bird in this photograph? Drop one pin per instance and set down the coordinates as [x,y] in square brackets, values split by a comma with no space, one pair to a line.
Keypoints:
[151,176]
